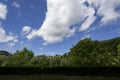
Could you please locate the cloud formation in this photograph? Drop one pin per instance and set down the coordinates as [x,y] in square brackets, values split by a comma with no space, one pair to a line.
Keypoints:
[6,38]
[86,36]
[13,43]
[15,4]
[26,30]
[3,11]
[106,9]
[10,39]
[62,14]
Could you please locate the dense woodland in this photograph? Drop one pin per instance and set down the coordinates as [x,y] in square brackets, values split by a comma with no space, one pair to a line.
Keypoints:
[86,53]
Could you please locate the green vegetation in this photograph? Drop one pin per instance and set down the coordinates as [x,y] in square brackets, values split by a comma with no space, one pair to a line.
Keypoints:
[86,53]
[4,53]
[54,77]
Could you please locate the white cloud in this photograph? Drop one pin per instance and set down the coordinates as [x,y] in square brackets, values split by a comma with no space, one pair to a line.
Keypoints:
[106,9]
[90,19]
[59,19]
[6,38]
[3,11]
[10,39]
[11,44]
[32,34]
[61,14]
[15,4]
[86,36]
[26,30]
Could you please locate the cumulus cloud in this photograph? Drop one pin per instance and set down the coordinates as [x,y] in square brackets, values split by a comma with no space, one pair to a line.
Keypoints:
[10,39]
[13,43]
[15,4]
[62,14]
[90,19]
[106,9]
[6,38]
[26,30]
[32,34]
[3,11]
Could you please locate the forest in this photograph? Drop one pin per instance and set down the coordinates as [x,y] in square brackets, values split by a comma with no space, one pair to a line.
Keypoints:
[86,53]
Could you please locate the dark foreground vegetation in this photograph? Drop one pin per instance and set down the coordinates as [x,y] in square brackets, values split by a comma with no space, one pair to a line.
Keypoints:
[54,77]
[63,71]
[86,58]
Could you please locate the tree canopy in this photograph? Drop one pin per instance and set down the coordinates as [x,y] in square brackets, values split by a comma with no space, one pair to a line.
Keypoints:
[86,53]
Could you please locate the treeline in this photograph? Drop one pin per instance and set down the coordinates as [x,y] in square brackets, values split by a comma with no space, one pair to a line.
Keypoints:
[86,53]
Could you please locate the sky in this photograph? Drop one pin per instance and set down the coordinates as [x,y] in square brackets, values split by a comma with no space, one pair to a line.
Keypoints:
[53,26]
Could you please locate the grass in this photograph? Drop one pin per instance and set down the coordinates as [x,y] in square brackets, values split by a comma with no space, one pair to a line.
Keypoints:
[54,77]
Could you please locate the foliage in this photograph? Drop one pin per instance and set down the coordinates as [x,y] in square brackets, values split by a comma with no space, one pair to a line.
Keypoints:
[96,53]
[86,53]
[19,58]
[4,53]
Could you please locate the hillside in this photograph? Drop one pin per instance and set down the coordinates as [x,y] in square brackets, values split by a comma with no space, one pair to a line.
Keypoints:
[6,53]
[89,52]
[86,53]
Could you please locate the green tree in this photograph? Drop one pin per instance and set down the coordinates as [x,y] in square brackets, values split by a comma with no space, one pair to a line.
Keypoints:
[20,58]
[118,49]
[55,61]
[3,58]
[40,61]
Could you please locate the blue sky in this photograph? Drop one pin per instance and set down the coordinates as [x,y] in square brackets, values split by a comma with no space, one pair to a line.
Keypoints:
[53,26]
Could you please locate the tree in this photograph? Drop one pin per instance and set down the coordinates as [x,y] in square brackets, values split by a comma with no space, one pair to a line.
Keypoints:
[55,61]
[20,58]
[40,61]
[118,49]
[86,53]
[3,58]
